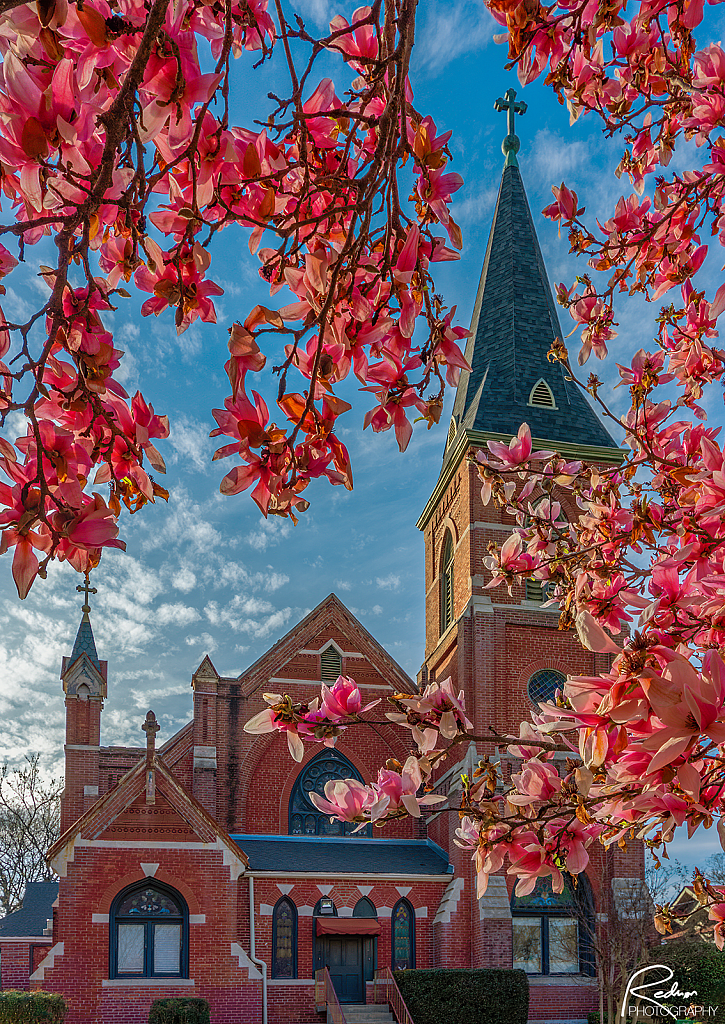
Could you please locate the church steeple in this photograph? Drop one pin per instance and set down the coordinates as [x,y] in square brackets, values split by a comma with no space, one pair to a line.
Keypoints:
[84,679]
[514,324]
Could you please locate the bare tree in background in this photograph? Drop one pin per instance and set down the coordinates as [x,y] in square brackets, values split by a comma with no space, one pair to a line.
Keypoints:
[29,824]
[622,936]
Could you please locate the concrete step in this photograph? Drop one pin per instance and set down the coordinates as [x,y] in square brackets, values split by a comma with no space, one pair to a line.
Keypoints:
[370,1013]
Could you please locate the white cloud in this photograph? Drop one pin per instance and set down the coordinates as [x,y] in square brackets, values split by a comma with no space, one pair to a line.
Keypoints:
[184,580]
[271,531]
[177,614]
[389,582]
[451,30]
[206,640]
[343,585]
[191,443]
[320,11]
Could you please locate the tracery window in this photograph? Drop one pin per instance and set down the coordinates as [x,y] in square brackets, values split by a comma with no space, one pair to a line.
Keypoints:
[552,932]
[447,583]
[284,939]
[304,817]
[403,926]
[543,685]
[149,933]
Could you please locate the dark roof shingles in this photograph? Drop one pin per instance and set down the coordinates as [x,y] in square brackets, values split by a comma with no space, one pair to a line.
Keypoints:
[516,324]
[353,856]
[33,916]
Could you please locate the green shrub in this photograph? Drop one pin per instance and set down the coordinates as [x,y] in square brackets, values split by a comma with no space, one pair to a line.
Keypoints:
[31,1008]
[179,1011]
[593,1017]
[698,966]
[447,996]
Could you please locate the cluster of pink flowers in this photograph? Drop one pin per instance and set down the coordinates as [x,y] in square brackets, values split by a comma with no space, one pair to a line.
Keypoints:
[108,107]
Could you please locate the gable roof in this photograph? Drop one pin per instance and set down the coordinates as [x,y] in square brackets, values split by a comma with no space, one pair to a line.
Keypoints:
[330,612]
[113,803]
[32,918]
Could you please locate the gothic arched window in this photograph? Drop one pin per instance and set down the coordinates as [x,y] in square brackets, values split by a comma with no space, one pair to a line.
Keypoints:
[403,944]
[447,583]
[149,932]
[553,932]
[284,939]
[364,908]
[543,685]
[304,817]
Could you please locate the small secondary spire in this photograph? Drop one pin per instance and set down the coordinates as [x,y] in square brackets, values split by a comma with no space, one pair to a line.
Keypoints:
[511,144]
[87,589]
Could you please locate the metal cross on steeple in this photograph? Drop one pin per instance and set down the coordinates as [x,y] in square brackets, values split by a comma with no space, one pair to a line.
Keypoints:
[511,143]
[87,589]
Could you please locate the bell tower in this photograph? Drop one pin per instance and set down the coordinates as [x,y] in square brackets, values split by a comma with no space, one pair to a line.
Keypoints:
[504,650]
[490,642]
[84,680]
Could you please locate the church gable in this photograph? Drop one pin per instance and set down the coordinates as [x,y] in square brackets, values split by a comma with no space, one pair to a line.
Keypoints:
[155,822]
[300,656]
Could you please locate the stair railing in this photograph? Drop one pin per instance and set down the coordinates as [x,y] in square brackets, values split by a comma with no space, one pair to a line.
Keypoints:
[326,997]
[384,980]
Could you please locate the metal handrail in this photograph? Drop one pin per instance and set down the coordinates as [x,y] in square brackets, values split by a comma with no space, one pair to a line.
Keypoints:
[326,997]
[393,995]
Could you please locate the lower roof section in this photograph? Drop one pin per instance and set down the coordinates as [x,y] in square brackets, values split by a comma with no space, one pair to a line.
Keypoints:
[353,856]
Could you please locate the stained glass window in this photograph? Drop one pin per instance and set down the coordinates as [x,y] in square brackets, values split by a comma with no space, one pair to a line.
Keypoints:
[284,939]
[304,818]
[543,685]
[403,936]
[148,933]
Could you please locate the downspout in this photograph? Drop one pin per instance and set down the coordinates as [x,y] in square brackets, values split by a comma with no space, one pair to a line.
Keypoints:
[261,964]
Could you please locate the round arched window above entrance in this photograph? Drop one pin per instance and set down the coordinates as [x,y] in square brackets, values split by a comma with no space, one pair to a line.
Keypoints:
[543,685]
[304,818]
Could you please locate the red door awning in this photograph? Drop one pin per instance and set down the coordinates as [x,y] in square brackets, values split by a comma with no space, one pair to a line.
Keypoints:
[347,926]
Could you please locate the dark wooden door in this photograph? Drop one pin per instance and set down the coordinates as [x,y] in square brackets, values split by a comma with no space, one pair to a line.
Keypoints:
[344,960]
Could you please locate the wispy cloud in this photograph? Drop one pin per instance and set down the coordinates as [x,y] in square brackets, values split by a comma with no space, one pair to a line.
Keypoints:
[389,582]
[191,443]
[450,31]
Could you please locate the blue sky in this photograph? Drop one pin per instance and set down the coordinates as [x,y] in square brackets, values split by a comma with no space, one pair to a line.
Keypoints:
[207,574]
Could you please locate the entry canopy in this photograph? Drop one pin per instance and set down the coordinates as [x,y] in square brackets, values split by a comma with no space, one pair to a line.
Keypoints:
[347,926]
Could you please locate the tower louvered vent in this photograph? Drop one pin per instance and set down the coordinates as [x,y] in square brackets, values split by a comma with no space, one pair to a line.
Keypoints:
[330,663]
[451,433]
[542,396]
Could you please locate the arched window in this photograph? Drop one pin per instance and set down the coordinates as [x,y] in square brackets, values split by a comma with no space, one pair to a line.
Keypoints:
[149,932]
[284,939]
[543,685]
[553,932]
[403,944]
[447,583]
[304,817]
[330,664]
[364,908]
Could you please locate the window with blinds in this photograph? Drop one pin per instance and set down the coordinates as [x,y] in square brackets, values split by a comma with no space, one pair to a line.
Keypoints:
[330,664]
[149,933]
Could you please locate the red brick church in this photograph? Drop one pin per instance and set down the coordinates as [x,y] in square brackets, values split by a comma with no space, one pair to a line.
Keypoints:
[196,864]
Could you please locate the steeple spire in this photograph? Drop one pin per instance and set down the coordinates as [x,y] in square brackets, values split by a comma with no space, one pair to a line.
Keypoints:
[514,324]
[85,642]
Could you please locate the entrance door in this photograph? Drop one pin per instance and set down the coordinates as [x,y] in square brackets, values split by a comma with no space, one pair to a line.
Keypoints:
[343,957]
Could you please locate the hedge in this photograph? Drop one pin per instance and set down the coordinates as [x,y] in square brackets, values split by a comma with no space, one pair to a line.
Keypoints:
[31,1008]
[448,996]
[179,1011]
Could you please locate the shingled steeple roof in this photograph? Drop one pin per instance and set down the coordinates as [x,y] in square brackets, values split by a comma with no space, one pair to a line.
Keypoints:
[514,323]
[513,326]
[85,643]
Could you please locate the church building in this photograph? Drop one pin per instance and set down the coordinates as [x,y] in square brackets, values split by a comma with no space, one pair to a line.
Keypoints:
[196,864]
